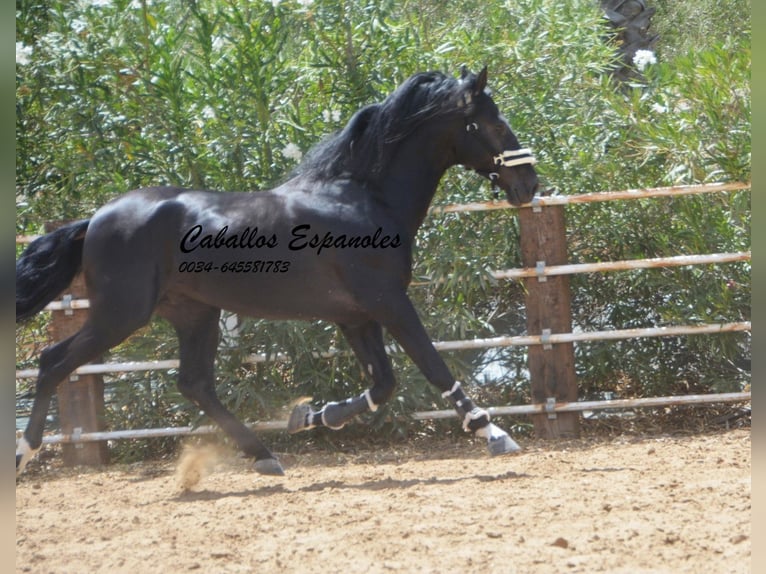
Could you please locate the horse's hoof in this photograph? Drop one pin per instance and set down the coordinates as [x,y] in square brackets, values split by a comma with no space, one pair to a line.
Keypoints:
[498,441]
[503,444]
[24,454]
[299,418]
[269,466]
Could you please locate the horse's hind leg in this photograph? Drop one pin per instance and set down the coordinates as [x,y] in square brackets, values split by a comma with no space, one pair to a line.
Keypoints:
[197,328]
[366,340]
[56,363]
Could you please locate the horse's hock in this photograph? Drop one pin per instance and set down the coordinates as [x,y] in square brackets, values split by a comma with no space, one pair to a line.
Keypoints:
[80,397]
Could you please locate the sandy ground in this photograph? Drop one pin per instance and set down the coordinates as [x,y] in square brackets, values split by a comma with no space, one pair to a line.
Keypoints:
[626,505]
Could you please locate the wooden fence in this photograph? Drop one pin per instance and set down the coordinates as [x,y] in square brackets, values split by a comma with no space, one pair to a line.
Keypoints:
[555,408]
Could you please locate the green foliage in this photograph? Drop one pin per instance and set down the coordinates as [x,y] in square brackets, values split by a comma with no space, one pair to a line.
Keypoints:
[226,94]
[697,26]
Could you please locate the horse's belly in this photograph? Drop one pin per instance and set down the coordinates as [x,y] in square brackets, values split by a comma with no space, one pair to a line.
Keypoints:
[274,297]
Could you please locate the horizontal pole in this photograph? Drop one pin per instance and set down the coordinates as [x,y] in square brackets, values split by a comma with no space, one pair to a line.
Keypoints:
[657,262]
[101,368]
[153,433]
[424,415]
[490,342]
[72,304]
[545,201]
[558,338]
[542,408]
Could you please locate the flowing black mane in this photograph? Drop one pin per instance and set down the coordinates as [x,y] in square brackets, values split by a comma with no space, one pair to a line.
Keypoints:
[364,147]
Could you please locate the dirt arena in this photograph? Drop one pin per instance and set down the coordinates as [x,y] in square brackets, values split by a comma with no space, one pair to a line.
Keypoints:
[625,505]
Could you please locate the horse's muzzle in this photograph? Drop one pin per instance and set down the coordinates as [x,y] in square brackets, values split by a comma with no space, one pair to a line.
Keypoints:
[521,189]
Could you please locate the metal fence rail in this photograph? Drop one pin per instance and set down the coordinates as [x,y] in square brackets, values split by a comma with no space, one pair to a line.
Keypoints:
[459,345]
[418,416]
[674,191]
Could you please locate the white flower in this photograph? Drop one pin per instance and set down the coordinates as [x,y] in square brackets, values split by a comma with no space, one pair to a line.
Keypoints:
[23,53]
[642,58]
[292,151]
[331,116]
[659,108]
[101,3]
[78,25]
[206,113]
[304,3]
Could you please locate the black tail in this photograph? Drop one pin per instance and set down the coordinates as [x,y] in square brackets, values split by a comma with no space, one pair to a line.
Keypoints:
[47,267]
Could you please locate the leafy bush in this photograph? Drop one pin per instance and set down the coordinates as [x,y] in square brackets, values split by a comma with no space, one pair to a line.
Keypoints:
[114,95]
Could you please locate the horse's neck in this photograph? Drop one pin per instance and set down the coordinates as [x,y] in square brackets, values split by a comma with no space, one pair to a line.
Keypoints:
[410,182]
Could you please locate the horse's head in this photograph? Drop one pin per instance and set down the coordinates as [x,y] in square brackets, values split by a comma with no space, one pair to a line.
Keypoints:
[489,146]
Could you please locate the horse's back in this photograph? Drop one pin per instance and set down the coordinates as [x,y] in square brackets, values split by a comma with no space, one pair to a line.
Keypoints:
[293,252]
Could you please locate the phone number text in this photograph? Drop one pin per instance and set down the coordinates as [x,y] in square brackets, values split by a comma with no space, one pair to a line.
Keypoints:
[258,266]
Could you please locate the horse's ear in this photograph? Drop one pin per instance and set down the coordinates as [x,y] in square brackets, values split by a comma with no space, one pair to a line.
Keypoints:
[471,85]
[481,81]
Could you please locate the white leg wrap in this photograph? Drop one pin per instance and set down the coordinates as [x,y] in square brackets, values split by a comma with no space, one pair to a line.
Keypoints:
[373,406]
[26,452]
[476,413]
[455,387]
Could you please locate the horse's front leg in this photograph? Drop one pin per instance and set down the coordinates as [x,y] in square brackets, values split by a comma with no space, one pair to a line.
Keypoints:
[402,321]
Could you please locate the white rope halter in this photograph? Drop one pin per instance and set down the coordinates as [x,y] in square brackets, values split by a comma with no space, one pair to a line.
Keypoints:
[505,158]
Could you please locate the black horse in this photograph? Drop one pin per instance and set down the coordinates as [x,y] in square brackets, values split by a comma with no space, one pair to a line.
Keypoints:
[334,242]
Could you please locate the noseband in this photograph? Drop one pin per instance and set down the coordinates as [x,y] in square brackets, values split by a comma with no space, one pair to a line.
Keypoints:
[506,158]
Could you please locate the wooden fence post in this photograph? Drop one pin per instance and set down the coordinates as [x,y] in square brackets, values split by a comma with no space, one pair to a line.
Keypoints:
[549,311]
[80,397]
